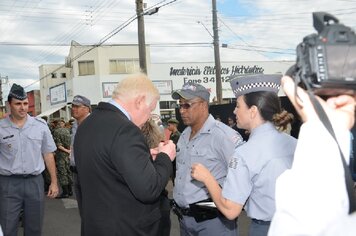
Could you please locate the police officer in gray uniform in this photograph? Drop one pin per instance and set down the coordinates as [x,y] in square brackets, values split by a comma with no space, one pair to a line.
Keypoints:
[26,145]
[210,143]
[255,166]
[81,109]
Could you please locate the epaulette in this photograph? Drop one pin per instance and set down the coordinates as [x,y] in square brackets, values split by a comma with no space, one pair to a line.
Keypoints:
[4,123]
[40,120]
[229,132]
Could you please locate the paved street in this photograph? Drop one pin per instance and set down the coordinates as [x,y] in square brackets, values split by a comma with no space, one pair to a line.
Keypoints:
[62,218]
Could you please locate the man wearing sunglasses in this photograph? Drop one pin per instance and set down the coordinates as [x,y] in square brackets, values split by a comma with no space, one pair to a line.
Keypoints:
[208,142]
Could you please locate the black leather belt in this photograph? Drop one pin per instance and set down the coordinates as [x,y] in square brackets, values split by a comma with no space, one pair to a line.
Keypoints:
[186,211]
[261,222]
[198,212]
[25,176]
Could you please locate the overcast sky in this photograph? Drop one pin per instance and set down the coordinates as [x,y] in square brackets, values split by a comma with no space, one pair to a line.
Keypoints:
[36,32]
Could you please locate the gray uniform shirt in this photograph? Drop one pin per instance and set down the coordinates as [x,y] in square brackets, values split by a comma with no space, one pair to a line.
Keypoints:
[22,149]
[74,131]
[213,147]
[255,167]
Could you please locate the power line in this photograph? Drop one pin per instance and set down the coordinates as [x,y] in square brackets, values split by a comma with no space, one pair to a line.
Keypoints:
[102,41]
[75,30]
[239,37]
[93,45]
[260,50]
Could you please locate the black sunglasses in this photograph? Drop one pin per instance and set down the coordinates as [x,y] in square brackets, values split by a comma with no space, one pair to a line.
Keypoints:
[187,105]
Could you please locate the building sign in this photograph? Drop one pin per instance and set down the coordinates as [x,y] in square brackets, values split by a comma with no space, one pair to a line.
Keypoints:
[204,73]
[207,73]
[210,70]
[163,86]
[108,89]
[58,94]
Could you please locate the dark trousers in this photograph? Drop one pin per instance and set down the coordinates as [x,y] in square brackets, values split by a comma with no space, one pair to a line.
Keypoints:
[258,229]
[78,196]
[17,193]
[78,192]
[165,221]
[213,227]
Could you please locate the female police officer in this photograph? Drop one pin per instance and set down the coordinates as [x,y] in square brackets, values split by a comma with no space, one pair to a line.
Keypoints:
[256,164]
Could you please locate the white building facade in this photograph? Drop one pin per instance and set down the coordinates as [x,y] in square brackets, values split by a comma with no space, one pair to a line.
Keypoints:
[89,71]
[95,73]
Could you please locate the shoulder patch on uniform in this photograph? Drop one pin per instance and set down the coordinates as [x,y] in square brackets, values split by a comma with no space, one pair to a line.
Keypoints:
[237,139]
[3,125]
[40,120]
[233,162]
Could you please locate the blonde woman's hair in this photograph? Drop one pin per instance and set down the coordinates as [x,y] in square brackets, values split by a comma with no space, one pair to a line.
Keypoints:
[152,133]
[135,85]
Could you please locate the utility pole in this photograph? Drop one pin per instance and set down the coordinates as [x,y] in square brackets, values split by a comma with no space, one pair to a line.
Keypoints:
[217,55]
[141,36]
[0,92]
[3,80]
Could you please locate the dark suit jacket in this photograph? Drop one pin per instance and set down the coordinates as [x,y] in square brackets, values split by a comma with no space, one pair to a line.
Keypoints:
[120,183]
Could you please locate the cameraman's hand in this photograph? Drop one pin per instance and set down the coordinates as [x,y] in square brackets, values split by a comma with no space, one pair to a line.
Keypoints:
[169,148]
[340,109]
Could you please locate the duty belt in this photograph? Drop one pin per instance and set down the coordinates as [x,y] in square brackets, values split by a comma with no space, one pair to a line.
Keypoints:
[199,213]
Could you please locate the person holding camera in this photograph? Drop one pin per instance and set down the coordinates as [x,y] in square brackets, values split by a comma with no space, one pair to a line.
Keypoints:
[326,67]
[256,164]
[317,169]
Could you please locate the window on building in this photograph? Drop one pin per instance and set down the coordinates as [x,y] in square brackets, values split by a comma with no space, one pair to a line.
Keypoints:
[53,75]
[124,66]
[63,75]
[167,104]
[86,67]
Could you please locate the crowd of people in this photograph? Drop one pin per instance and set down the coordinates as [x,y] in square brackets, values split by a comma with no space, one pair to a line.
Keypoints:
[119,162]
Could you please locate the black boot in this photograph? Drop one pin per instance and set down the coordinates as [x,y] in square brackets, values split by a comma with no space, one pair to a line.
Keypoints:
[64,192]
[70,191]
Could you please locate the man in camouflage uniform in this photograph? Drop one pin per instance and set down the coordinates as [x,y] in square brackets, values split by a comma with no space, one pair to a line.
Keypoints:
[61,137]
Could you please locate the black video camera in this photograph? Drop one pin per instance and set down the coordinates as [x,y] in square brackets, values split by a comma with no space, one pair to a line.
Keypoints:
[326,61]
